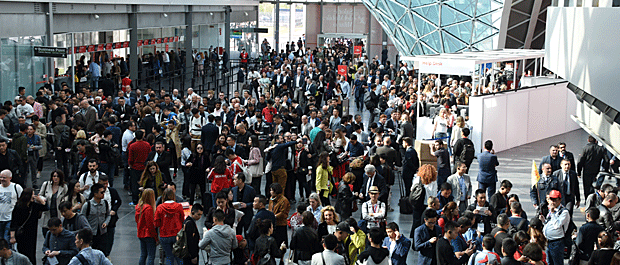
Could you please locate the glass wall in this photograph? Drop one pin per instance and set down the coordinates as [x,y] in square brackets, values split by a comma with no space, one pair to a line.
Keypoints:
[292,22]
[19,67]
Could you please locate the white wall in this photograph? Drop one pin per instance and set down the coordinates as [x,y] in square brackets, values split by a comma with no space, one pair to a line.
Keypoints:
[579,46]
[516,118]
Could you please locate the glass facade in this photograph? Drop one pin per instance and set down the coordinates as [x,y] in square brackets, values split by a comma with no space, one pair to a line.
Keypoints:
[439,26]
[19,67]
[292,22]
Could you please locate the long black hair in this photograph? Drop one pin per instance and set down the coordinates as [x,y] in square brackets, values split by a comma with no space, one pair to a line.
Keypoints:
[219,166]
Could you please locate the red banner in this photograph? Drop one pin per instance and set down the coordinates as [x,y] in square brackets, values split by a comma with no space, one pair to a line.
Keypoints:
[139,43]
[357,50]
[342,70]
[153,41]
[165,40]
[159,41]
[100,47]
[176,38]
[91,48]
[166,47]
[109,46]
[126,44]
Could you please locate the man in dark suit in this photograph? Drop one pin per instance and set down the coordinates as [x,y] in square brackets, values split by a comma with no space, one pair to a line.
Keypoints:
[123,109]
[389,152]
[487,174]
[279,126]
[411,163]
[209,134]
[553,159]
[590,163]
[569,186]
[564,154]
[243,195]
[372,178]
[163,159]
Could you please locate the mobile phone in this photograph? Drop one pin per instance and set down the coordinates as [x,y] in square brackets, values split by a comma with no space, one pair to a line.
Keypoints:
[304,141]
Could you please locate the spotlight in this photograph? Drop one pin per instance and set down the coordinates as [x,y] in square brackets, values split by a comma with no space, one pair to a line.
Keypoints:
[96,16]
[246,13]
[211,13]
[165,15]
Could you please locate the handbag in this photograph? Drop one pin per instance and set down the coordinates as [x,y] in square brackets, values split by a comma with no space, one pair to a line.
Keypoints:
[20,230]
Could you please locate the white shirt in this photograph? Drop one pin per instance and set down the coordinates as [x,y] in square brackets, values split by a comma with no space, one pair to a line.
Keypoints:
[89,179]
[128,136]
[194,122]
[8,199]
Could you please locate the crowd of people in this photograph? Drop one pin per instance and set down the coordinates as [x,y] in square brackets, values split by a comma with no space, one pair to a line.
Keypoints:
[286,125]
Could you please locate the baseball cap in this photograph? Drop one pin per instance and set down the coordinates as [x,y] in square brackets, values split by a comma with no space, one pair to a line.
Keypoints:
[555,194]
[239,238]
[535,222]
[344,227]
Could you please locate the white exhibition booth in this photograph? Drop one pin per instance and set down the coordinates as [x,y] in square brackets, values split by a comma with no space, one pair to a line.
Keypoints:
[539,109]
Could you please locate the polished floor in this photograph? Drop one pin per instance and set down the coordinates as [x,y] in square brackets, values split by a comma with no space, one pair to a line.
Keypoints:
[515,165]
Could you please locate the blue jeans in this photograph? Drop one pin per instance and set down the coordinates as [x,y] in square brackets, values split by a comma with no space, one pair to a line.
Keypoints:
[166,244]
[147,251]
[489,187]
[5,228]
[555,252]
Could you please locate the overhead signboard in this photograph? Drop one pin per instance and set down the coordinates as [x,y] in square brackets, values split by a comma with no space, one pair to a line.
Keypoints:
[235,34]
[447,67]
[42,51]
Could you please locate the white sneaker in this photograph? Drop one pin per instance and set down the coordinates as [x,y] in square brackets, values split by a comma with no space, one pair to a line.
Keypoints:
[38,175]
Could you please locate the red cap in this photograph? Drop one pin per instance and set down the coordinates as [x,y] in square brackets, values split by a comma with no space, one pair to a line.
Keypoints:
[239,238]
[555,194]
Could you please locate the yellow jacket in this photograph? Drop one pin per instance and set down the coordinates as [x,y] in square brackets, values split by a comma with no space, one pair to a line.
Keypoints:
[358,244]
[322,180]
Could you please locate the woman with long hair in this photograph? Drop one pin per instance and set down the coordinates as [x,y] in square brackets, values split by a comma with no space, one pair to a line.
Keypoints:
[315,207]
[219,147]
[169,219]
[456,130]
[449,213]
[94,140]
[280,207]
[197,163]
[74,195]
[152,179]
[329,221]
[427,176]
[323,175]
[185,154]
[346,203]
[52,191]
[220,176]
[440,129]
[24,223]
[147,234]
[254,163]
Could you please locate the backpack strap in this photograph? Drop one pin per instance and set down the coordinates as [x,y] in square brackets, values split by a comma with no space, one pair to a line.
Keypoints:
[82,260]
[498,232]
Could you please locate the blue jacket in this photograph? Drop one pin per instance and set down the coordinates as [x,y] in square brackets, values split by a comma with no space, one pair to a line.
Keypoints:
[279,155]
[248,197]
[459,243]
[411,163]
[210,132]
[399,256]
[421,237]
[539,192]
[487,163]
[252,232]
[63,243]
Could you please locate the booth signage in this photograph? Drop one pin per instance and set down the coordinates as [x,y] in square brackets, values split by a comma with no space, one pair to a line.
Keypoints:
[342,70]
[235,34]
[357,50]
[42,51]
[447,67]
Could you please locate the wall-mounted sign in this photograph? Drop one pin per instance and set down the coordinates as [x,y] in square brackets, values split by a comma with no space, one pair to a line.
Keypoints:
[43,51]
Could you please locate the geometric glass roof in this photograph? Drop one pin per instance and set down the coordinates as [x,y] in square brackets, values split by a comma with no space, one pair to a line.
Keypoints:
[418,27]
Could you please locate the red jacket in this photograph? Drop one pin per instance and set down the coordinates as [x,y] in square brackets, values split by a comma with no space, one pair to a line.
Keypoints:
[146,223]
[220,181]
[137,153]
[169,218]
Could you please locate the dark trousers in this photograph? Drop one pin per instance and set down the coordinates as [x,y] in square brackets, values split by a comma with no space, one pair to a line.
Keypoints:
[109,240]
[303,185]
[108,169]
[359,101]
[289,190]
[268,181]
[192,192]
[126,171]
[62,161]
[417,220]
[408,181]
[324,200]
[135,178]
[185,190]
[99,242]
[489,187]
[588,179]
[256,183]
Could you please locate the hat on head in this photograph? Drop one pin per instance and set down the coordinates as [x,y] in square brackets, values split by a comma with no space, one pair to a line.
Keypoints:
[374,189]
[555,194]
[344,227]
[239,238]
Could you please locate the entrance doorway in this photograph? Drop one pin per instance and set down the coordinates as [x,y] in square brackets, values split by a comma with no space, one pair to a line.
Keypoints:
[327,39]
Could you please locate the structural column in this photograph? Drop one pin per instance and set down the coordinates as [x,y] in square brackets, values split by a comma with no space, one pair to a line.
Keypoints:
[227,30]
[50,38]
[189,34]
[277,26]
[133,44]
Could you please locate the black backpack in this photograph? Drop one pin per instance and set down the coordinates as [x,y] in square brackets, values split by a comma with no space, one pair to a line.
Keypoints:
[65,137]
[417,195]
[468,153]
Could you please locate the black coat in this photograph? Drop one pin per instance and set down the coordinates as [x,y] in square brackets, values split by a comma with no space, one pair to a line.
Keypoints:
[344,204]
[164,161]
[197,170]
[193,237]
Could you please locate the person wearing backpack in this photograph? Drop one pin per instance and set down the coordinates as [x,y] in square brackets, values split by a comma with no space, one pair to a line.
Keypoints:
[464,150]
[62,141]
[461,186]
[192,235]
[97,212]
[87,255]
[501,231]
